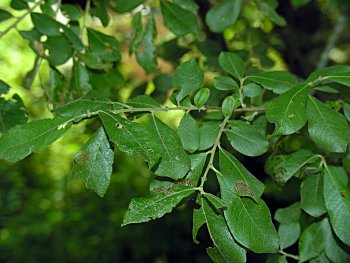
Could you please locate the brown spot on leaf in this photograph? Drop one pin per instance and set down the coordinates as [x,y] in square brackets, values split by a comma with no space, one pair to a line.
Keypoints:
[81,158]
[242,187]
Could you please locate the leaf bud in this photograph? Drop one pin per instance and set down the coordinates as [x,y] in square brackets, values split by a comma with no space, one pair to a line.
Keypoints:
[228,105]
[201,97]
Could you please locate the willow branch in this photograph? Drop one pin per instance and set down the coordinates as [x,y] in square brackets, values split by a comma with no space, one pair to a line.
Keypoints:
[155,109]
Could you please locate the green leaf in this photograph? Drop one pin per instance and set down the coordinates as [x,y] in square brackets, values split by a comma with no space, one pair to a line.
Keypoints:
[73,38]
[326,72]
[331,248]
[201,97]
[327,128]
[311,195]
[121,6]
[188,132]
[156,185]
[71,11]
[287,111]
[251,225]
[197,164]
[107,82]
[101,11]
[146,51]
[337,200]
[252,90]
[4,87]
[104,46]
[207,134]
[326,89]
[346,109]
[143,101]
[225,83]
[198,222]
[246,139]
[86,106]
[289,234]
[232,63]
[215,201]
[59,50]
[227,248]
[340,172]
[268,9]
[341,78]
[35,136]
[311,243]
[45,24]
[277,81]
[179,20]
[146,209]
[58,84]
[31,74]
[260,125]
[223,15]
[31,35]
[130,137]
[320,259]
[214,255]
[187,4]
[46,8]
[288,214]
[291,165]
[11,113]
[228,106]
[94,163]
[174,163]
[80,78]
[235,179]
[19,4]
[188,77]
[4,15]
[138,32]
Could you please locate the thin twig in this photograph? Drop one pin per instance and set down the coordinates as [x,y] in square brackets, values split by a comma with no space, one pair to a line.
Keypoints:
[288,255]
[332,41]
[19,19]
[213,150]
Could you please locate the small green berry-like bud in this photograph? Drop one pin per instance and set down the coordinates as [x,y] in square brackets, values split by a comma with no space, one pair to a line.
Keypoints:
[228,105]
[201,97]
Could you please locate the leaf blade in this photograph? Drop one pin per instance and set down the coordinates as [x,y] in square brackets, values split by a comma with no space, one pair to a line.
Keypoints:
[174,163]
[246,139]
[22,140]
[94,163]
[145,209]
[327,128]
[287,111]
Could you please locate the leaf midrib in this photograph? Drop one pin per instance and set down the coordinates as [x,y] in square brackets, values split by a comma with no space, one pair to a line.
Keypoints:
[290,103]
[160,137]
